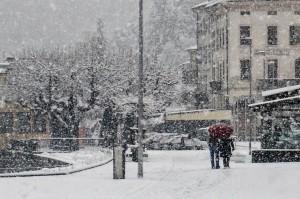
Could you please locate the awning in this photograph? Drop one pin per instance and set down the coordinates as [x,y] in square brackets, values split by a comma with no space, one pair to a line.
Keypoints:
[277,103]
[280,90]
[199,115]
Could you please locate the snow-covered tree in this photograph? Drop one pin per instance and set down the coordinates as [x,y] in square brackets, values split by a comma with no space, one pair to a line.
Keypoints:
[168,34]
[170,31]
[65,83]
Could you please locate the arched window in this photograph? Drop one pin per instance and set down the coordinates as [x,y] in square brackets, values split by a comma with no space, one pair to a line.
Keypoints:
[297,68]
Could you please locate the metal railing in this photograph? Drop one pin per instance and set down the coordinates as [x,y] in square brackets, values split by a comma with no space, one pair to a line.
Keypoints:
[41,145]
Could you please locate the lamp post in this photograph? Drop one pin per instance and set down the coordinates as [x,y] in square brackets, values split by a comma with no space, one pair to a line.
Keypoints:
[250,99]
[261,52]
[140,92]
[197,64]
[250,93]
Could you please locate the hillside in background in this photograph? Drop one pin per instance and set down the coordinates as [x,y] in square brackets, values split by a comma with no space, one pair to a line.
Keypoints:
[44,22]
[169,25]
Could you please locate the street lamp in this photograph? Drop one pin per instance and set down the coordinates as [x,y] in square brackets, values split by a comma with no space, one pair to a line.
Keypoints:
[140,92]
[250,72]
[250,98]
[262,52]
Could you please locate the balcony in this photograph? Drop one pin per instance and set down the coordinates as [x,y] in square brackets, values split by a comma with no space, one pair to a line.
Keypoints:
[268,84]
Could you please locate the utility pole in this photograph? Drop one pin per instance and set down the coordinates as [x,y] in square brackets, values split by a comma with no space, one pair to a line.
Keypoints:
[141,92]
[197,95]
[250,100]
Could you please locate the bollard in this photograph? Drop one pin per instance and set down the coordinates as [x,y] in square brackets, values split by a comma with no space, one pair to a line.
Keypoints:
[119,162]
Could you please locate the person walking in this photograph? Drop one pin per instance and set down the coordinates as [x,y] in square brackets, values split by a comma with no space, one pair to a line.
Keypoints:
[226,148]
[213,144]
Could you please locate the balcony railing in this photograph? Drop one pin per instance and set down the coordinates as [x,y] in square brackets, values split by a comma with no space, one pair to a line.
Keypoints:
[268,84]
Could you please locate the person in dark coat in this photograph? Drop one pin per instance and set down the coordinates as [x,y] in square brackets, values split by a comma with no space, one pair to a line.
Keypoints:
[213,144]
[226,148]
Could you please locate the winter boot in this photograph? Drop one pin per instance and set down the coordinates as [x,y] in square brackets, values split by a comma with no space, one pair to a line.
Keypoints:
[217,165]
[212,164]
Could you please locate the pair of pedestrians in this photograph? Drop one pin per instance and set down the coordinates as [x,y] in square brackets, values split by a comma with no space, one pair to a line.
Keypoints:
[220,148]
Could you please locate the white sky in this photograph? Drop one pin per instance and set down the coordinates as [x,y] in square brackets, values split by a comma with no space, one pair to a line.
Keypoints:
[42,22]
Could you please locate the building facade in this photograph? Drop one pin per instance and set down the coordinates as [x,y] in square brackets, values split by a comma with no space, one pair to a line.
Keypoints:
[17,122]
[243,48]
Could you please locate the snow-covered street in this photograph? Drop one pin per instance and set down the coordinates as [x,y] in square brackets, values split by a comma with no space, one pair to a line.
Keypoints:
[168,174]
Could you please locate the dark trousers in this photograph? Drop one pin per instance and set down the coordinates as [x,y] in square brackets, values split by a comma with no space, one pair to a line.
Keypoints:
[214,157]
[226,161]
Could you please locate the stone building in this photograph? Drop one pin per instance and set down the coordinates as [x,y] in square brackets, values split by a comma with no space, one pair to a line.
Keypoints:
[16,122]
[243,48]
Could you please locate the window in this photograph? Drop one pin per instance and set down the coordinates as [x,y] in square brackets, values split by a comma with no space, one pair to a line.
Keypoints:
[294,35]
[23,122]
[245,35]
[219,35]
[223,38]
[39,123]
[205,55]
[214,73]
[245,69]
[272,12]
[6,122]
[223,65]
[272,69]
[245,12]
[297,68]
[272,35]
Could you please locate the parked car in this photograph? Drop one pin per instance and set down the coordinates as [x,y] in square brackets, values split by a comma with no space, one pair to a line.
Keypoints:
[131,153]
[194,144]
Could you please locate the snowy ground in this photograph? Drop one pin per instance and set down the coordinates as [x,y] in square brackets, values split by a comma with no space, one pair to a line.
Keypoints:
[82,158]
[168,175]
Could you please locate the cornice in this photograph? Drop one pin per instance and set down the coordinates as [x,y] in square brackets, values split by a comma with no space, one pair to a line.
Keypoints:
[263,5]
[226,6]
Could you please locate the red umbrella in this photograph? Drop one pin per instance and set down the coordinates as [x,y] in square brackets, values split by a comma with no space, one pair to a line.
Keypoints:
[220,130]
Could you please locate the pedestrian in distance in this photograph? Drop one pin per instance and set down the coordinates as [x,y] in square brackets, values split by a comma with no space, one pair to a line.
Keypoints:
[213,144]
[226,148]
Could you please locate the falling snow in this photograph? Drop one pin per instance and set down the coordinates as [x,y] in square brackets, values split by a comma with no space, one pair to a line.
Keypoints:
[149,99]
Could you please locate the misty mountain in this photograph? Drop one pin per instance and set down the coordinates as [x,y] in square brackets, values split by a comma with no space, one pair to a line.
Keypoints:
[52,22]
